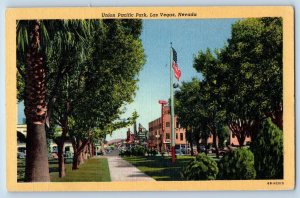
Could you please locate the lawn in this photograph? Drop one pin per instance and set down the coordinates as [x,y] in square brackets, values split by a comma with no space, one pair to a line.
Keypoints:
[93,170]
[159,168]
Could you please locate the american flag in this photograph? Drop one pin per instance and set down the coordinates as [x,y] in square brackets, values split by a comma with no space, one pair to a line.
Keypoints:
[176,69]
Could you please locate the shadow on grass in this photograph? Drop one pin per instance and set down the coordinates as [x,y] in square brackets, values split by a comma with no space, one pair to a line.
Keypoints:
[53,169]
[161,169]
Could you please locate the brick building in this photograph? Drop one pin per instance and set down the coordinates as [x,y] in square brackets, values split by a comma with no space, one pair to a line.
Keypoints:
[232,140]
[162,140]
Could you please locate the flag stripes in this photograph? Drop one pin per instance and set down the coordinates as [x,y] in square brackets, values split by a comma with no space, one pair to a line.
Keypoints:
[175,67]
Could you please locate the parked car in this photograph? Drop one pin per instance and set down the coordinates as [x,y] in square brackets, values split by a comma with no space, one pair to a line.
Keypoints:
[21,155]
[202,148]
[98,153]
[178,152]
[54,155]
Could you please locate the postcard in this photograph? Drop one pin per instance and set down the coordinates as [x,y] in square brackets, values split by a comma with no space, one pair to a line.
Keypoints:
[150,98]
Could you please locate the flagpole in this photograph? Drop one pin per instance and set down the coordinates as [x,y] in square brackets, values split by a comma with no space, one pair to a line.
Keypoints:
[172,106]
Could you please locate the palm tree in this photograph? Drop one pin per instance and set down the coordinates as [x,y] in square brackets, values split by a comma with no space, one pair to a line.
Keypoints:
[29,41]
[36,39]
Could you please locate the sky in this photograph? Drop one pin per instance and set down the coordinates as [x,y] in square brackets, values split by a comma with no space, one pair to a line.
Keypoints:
[188,37]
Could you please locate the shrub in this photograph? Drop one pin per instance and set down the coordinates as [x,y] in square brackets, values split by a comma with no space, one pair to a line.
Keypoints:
[138,151]
[268,151]
[152,152]
[125,153]
[200,168]
[237,164]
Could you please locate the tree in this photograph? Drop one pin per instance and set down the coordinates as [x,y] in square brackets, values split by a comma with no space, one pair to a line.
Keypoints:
[30,32]
[210,93]
[223,136]
[94,72]
[187,110]
[248,75]
[269,163]
[255,53]
[198,110]
[109,82]
[66,56]
[59,40]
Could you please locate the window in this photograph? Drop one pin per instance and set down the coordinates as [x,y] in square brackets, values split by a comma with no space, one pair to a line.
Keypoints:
[167,136]
[167,124]
[176,136]
[67,149]
[181,136]
[177,125]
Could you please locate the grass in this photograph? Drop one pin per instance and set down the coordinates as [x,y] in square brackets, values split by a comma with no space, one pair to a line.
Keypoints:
[160,168]
[93,170]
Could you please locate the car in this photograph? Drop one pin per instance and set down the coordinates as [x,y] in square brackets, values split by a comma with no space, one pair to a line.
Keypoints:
[202,148]
[54,155]
[178,152]
[21,155]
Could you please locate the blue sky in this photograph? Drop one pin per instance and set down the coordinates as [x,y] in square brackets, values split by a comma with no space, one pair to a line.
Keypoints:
[188,38]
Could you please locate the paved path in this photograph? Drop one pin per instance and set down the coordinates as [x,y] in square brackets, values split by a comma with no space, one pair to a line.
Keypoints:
[121,170]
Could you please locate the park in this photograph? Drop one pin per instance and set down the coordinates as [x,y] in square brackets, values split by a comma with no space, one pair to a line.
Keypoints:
[214,112]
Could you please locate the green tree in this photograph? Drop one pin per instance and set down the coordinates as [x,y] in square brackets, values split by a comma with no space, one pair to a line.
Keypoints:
[269,163]
[210,93]
[79,72]
[188,110]
[224,133]
[60,44]
[110,81]
[66,57]
[247,74]
[255,53]
[31,36]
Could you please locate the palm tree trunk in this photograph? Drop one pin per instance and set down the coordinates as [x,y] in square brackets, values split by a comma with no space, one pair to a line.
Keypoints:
[37,168]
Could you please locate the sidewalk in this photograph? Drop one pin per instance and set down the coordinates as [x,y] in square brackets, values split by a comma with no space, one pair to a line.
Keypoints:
[121,170]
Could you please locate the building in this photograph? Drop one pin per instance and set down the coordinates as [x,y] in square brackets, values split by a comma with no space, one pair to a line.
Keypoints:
[21,141]
[160,138]
[130,137]
[234,141]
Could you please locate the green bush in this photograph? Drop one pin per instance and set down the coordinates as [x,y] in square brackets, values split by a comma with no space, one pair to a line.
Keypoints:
[268,151]
[152,152]
[201,168]
[138,151]
[237,164]
[125,153]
